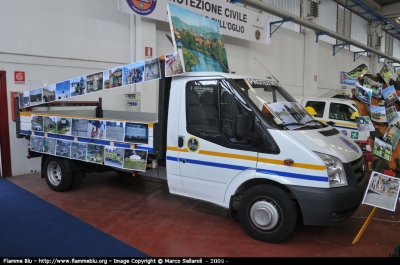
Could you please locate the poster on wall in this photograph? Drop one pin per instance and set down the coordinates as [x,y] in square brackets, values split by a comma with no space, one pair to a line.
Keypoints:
[95,153]
[79,127]
[49,93]
[24,100]
[135,159]
[136,133]
[36,143]
[63,148]
[96,129]
[37,123]
[200,39]
[36,96]
[382,149]
[113,156]
[94,82]
[49,146]
[63,90]
[78,86]
[152,69]
[382,191]
[112,78]
[115,131]
[174,64]
[78,151]
[50,124]
[133,73]
[64,126]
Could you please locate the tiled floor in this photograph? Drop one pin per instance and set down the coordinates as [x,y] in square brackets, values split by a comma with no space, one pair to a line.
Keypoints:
[143,214]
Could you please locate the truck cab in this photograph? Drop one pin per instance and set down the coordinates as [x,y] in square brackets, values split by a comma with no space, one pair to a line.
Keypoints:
[228,146]
[339,113]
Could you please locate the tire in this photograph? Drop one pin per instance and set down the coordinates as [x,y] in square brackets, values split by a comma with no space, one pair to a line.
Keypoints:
[267,213]
[77,177]
[56,174]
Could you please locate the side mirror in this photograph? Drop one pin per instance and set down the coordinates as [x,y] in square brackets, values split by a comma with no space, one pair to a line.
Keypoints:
[242,127]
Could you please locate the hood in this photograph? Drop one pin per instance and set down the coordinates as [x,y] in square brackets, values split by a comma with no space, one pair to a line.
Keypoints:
[337,145]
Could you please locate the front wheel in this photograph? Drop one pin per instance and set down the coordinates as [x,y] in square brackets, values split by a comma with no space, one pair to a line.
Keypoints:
[57,176]
[267,213]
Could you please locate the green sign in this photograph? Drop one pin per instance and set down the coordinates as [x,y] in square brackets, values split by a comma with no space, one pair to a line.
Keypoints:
[354,135]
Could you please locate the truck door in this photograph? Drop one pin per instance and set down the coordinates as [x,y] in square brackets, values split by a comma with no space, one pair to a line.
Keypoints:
[209,156]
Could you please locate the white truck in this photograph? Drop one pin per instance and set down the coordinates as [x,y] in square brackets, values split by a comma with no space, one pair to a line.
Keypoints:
[215,142]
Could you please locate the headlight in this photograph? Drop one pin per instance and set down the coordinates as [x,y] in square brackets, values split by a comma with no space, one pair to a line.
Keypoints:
[337,177]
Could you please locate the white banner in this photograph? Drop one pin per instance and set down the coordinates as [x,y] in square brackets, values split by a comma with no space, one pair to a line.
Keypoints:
[234,20]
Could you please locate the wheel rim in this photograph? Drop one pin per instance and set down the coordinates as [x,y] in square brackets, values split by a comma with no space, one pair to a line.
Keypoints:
[265,214]
[54,173]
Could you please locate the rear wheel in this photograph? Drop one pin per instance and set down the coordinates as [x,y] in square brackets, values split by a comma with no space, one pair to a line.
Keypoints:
[57,177]
[267,213]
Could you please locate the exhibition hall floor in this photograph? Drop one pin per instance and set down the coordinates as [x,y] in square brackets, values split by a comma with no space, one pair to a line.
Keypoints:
[142,213]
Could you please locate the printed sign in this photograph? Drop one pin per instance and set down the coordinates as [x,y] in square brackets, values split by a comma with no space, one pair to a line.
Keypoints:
[19,77]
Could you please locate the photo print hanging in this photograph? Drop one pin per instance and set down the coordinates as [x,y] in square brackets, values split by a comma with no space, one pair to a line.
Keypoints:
[390,95]
[375,86]
[174,64]
[49,93]
[382,149]
[36,96]
[360,70]
[386,73]
[363,93]
[152,69]
[78,86]
[392,135]
[364,124]
[112,78]
[378,114]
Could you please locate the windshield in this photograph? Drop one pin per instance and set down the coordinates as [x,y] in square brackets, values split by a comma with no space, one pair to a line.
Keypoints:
[276,105]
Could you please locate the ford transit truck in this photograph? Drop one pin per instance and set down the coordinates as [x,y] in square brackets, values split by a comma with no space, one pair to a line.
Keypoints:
[217,138]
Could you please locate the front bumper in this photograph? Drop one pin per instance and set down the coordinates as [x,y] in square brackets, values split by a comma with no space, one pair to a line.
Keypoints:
[328,206]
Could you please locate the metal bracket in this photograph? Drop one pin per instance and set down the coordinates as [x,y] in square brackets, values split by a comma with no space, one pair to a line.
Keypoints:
[342,46]
[318,34]
[361,53]
[379,58]
[280,22]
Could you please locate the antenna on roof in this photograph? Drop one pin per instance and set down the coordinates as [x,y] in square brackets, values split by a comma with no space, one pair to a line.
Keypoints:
[266,69]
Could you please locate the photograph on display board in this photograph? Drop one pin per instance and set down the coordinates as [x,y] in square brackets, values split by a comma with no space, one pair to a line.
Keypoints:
[64,126]
[50,124]
[135,159]
[378,114]
[79,127]
[390,95]
[113,156]
[94,82]
[95,153]
[392,135]
[386,73]
[174,64]
[382,191]
[392,116]
[200,39]
[364,124]
[133,73]
[63,90]
[136,133]
[49,93]
[398,75]
[152,69]
[78,151]
[375,86]
[49,146]
[362,69]
[115,131]
[24,100]
[382,149]
[36,123]
[363,93]
[63,148]
[112,78]
[78,86]
[36,96]
[96,129]
[36,143]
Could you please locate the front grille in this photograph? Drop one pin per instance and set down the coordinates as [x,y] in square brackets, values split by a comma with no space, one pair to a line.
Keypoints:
[330,132]
[359,167]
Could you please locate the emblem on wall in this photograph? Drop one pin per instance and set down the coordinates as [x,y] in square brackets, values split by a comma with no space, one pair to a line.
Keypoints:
[142,7]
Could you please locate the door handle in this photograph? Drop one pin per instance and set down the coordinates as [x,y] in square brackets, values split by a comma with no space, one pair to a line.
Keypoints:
[180,142]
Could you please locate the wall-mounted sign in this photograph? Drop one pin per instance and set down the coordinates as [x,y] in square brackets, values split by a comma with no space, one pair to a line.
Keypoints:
[19,77]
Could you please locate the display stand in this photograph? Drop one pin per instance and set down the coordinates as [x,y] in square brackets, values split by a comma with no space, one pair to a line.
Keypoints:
[371,215]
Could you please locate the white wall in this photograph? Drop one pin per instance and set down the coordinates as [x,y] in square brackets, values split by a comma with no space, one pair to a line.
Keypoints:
[56,40]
